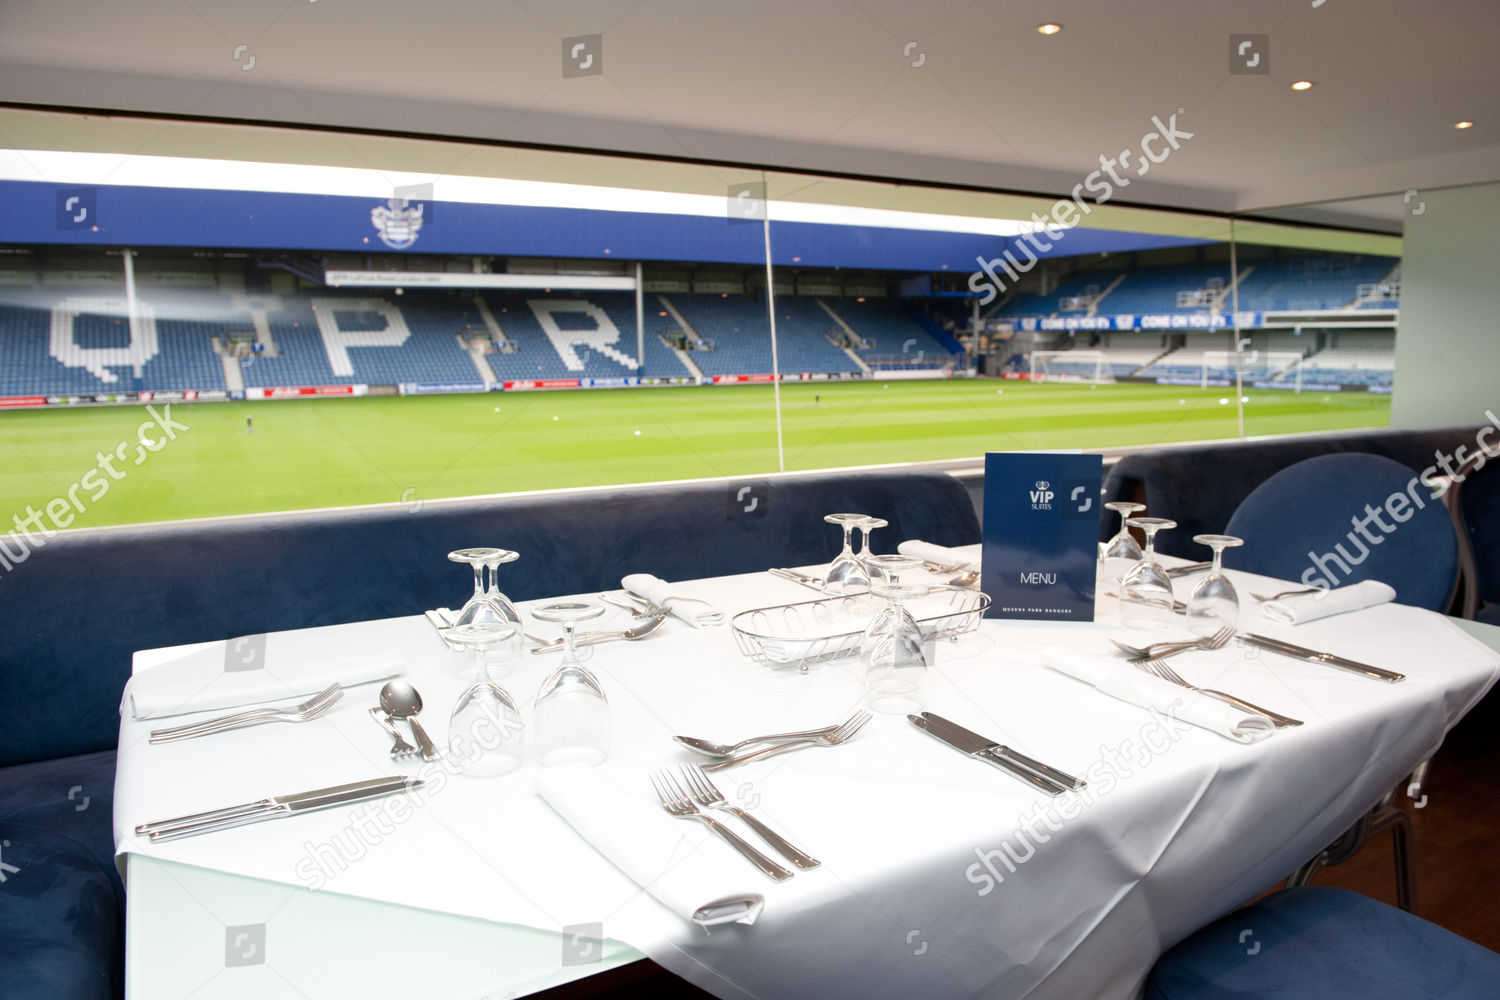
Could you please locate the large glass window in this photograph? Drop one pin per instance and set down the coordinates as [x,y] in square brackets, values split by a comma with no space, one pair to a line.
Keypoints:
[200,320]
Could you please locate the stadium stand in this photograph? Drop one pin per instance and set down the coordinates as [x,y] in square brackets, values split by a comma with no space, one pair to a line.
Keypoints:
[740,332]
[890,332]
[1084,283]
[1310,282]
[1357,358]
[1155,289]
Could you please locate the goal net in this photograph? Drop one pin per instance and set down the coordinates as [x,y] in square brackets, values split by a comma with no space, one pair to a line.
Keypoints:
[1069,366]
[1268,369]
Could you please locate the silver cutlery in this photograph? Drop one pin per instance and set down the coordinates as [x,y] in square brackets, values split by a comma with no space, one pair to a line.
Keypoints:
[711,749]
[310,709]
[1034,772]
[1196,567]
[966,579]
[1161,650]
[842,734]
[399,748]
[807,581]
[637,631]
[401,701]
[1177,606]
[1331,659]
[707,794]
[677,804]
[1159,669]
[275,807]
[1285,593]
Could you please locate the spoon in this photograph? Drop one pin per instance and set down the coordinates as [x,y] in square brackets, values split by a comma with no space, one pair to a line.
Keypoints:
[638,630]
[964,579]
[401,701]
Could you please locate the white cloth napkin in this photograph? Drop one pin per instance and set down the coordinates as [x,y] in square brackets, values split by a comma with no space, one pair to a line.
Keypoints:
[1311,607]
[699,614]
[939,554]
[667,857]
[1127,683]
[206,679]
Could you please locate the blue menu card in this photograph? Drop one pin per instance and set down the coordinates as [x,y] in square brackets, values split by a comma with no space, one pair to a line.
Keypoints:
[1041,535]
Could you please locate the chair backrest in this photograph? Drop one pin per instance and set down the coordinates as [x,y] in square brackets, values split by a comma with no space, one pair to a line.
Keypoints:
[1346,518]
[1474,499]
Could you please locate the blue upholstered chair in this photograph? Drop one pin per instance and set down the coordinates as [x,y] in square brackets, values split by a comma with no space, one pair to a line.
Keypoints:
[1318,943]
[1304,519]
[1314,520]
[1474,501]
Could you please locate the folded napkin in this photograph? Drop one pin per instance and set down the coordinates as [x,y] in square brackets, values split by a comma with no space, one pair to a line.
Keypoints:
[699,614]
[1131,684]
[1311,607]
[939,554]
[667,857]
[244,671]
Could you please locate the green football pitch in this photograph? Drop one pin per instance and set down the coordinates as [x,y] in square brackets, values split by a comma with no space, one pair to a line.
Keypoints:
[335,452]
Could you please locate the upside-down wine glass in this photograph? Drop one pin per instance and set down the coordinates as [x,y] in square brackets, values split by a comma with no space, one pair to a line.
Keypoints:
[892,651]
[571,714]
[1121,552]
[846,574]
[484,729]
[1215,604]
[1146,598]
[480,608]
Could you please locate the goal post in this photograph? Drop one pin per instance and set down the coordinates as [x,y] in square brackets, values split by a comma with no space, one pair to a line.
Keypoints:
[1277,369]
[1069,366]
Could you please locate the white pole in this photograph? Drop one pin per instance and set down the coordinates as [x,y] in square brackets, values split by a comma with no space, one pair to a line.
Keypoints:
[130,311]
[1239,380]
[771,311]
[640,320]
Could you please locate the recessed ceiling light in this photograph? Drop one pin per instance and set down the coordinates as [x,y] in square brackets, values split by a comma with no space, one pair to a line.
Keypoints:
[1048,29]
[1463,124]
[1302,85]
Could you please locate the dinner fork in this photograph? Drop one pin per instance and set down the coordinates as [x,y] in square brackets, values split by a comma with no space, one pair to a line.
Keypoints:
[1285,593]
[310,709]
[1158,650]
[842,734]
[701,787]
[679,805]
[1159,669]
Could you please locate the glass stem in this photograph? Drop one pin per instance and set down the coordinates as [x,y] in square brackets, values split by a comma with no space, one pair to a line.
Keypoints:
[1218,569]
[478,581]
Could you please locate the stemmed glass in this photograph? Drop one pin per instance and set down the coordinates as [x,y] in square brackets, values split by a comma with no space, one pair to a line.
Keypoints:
[482,607]
[484,729]
[846,574]
[865,526]
[1214,604]
[571,711]
[1120,552]
[1146,591]
[891,652]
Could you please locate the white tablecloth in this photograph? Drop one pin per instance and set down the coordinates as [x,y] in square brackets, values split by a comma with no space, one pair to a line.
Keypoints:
[941,876]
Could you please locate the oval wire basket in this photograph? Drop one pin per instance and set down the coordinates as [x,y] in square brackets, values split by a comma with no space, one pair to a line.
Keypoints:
[799,635]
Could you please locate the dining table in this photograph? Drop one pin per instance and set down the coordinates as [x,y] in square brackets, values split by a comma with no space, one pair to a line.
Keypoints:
[940,876]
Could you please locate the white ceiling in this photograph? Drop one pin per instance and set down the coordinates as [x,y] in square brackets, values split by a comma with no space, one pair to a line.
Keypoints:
[830,86]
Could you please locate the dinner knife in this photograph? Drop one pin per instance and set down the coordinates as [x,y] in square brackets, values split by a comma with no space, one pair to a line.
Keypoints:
[990,752]
[1314,656]
[275,807]
[1184,570]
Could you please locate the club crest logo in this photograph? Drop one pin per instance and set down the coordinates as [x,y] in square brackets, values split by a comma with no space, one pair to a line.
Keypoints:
[398,222]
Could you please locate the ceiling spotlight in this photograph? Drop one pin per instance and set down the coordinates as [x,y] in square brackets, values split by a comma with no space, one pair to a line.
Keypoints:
[1463,124]
[1302,85]
[1048,29]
